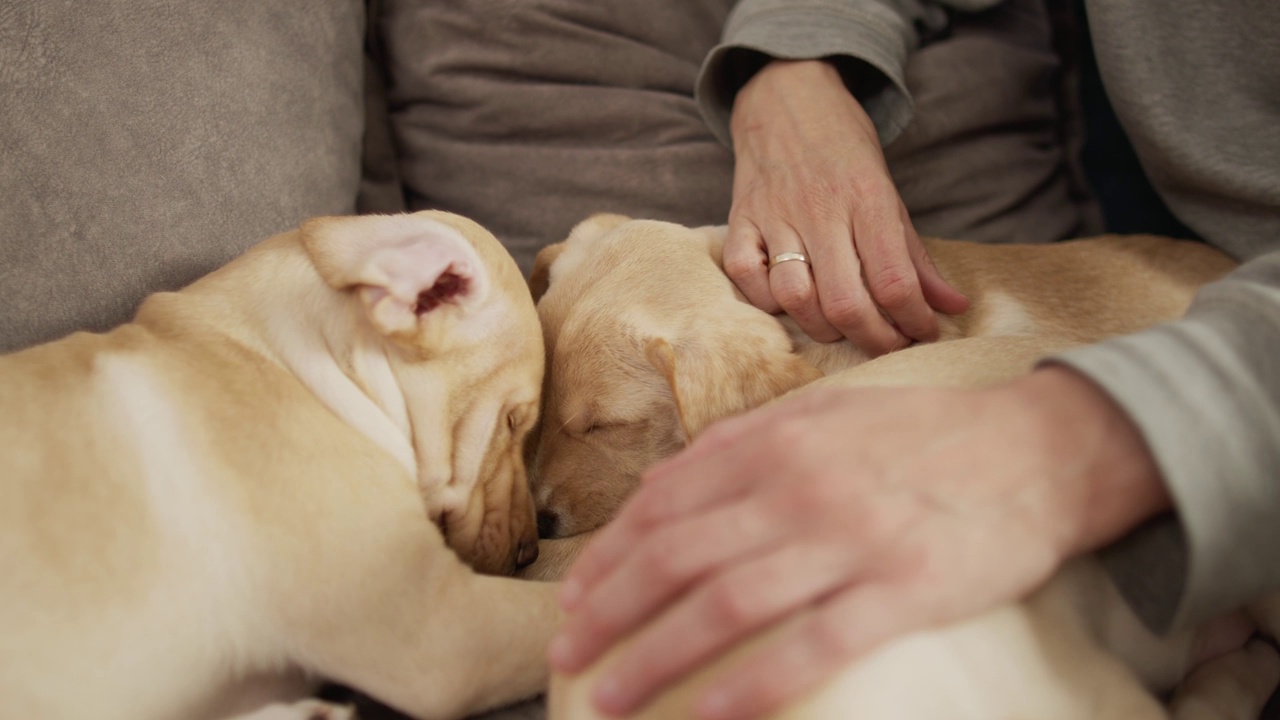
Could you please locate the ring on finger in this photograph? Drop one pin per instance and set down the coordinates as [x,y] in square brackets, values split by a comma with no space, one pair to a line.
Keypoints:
[787,257]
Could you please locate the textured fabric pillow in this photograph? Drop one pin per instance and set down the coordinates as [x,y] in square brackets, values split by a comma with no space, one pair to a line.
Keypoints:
[529,115]
[992,152]
[146,143]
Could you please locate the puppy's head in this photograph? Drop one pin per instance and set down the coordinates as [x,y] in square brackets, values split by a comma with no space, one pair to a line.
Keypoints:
[648,342]
[449,356]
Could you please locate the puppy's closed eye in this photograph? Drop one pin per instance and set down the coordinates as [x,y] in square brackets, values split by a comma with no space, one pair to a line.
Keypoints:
[601,426]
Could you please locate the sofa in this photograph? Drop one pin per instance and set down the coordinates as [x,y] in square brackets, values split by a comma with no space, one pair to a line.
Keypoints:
[147,142]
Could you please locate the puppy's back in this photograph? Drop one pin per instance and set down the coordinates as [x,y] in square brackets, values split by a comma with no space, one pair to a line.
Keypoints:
[1085,290]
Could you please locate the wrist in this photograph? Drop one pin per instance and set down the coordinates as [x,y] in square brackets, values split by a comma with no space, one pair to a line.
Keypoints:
[785,86]
[1106,482]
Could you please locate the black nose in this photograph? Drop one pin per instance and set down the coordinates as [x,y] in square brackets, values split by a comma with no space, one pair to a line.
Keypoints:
[548,524]
[526,553]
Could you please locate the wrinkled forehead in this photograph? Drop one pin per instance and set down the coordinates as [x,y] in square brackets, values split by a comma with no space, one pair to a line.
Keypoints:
[597,357]
[616,288]
[517,346]
[489,379]
[608,294]
[636,248]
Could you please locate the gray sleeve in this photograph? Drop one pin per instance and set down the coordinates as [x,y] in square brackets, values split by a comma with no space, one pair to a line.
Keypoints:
[870,38]
[1205,392]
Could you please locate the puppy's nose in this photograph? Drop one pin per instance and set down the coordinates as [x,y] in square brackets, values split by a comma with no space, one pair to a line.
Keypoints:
[548,524]
[526,553]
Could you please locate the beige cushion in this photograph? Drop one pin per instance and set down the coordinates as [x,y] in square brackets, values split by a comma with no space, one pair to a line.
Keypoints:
[146,143]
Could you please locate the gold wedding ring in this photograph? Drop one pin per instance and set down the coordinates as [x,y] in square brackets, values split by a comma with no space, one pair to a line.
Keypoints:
[787,257]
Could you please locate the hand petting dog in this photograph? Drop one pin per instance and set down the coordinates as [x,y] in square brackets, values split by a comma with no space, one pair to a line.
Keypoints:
[889,510]
[817,229]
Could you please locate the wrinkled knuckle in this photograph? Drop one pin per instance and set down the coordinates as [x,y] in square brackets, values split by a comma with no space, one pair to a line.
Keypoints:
[894,289]
[880,344]
[793,293]
[847,312]
[741,265]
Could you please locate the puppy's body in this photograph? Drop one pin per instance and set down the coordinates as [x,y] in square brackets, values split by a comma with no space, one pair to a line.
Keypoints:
[238,489]
[1072,651]
[649,342]
[1056,296]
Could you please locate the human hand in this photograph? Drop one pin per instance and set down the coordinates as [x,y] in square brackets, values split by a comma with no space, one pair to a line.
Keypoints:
[882,510]
[810,178]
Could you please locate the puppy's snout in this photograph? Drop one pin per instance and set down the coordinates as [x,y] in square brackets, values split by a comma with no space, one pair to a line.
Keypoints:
[526,553]
[548,524]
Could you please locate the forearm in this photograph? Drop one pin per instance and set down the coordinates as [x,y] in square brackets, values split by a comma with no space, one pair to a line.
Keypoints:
[869,38]
[1204,393]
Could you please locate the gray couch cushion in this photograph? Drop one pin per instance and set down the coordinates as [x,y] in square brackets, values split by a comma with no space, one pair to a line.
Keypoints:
[146,143]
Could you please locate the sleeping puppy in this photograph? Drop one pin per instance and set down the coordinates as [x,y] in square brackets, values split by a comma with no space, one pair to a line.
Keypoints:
[648,343]
[292,468]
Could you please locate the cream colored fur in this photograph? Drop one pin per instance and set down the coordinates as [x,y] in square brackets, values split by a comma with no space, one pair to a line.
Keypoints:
[648,342]
[291,469]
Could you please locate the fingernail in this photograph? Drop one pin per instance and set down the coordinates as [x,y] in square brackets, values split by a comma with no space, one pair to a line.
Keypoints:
[609,697]
[570,593]
[560,653]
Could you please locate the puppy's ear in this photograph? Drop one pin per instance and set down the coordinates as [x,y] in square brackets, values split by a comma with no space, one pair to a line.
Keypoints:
[588,230]
[540,278]
[708,387]
[406,269]
[597,226]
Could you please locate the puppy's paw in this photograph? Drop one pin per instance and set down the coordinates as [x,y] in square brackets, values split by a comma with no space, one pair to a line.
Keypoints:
[304,710]
[1235,685]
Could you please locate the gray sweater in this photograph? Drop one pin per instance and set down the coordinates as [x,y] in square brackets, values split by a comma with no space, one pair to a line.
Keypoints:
[1198,93]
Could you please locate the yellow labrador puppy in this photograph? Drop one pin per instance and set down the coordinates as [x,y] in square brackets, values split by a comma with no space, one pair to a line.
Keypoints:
[648,342]
[294,467]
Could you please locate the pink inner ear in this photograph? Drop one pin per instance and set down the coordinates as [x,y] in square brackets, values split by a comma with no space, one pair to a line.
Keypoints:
[447,286]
